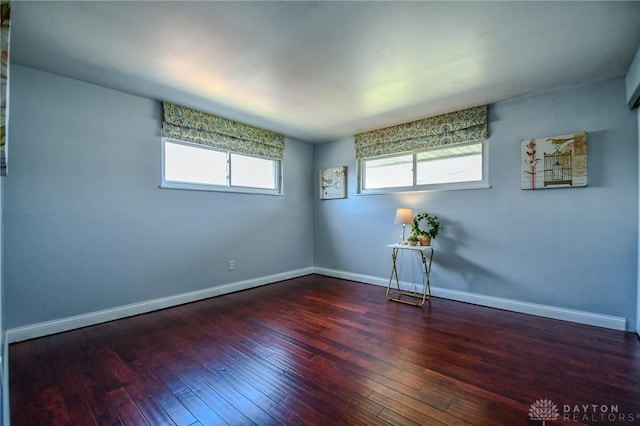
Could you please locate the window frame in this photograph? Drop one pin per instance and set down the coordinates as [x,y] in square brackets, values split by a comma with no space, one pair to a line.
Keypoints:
[451,186]
[169,184]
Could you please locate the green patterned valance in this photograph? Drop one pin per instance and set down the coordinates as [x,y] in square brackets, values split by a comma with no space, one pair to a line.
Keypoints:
[198,127]
[468,125]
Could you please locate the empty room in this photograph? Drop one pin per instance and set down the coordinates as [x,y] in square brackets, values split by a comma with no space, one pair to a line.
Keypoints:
[319,213]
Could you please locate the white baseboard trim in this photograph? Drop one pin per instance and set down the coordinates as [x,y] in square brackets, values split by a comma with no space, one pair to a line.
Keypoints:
[32,331]
[582,317]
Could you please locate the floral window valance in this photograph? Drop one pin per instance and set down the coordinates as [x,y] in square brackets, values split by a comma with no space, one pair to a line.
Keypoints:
[463,126]
[198,127]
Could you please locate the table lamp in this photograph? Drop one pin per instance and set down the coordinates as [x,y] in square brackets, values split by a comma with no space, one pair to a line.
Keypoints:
[403,217]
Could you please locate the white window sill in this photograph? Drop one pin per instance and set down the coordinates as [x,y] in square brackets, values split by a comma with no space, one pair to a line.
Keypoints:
[426,188]
[212,188]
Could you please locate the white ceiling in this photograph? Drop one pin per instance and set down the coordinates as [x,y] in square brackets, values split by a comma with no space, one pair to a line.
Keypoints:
[317,71]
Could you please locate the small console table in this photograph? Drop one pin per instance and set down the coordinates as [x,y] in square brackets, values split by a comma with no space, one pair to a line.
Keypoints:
[395,294]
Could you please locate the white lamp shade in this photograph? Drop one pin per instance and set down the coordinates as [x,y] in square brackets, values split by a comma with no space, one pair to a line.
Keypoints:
[404,217]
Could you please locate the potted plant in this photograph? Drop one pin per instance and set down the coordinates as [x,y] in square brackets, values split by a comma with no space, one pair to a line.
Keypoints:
[413,240]
[426,227]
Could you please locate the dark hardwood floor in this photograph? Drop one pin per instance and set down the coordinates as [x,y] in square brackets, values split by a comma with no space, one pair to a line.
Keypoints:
[323,351]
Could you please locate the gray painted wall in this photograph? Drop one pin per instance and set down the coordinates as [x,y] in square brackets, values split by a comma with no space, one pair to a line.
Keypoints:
[3,398]
[633,91]
[573,248]
[86,227]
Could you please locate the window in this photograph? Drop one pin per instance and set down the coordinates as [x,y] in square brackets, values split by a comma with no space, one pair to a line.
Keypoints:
[450,167]
[253,172]
[388,172]
[194,164]
[191,166]
[447,151]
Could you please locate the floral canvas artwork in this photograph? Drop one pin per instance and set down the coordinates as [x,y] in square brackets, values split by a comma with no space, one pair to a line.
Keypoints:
[554,162]
[5,8]
[333,183]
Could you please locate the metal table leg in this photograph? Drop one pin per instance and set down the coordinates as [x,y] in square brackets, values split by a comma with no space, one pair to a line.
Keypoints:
[395,294]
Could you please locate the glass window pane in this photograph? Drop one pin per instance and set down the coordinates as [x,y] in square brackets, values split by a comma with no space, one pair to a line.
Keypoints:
[455,164]
[388,172]
[185,163]
[253,172]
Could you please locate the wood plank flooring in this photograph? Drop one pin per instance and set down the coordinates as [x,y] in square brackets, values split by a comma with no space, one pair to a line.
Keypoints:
[323,351]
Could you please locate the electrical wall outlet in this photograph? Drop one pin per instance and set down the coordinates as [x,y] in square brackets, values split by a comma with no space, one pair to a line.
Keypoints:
[232,265]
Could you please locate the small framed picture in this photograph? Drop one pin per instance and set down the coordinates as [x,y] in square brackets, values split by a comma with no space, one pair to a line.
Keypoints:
[554,162]
[333,183]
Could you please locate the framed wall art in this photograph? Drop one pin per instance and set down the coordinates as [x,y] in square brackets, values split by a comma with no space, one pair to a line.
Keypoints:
[333,183]
[554,162]
[5,22]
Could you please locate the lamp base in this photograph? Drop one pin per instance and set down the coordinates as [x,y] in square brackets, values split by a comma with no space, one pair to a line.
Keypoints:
[403,240]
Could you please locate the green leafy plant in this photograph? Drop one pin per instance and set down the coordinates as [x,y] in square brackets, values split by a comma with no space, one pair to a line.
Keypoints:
[413,238]
[426,224]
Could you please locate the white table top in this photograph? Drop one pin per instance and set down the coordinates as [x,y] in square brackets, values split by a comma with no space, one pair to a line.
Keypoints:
[408,247]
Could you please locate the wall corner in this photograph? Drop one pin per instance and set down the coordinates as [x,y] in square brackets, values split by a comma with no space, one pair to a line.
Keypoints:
[632,82]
